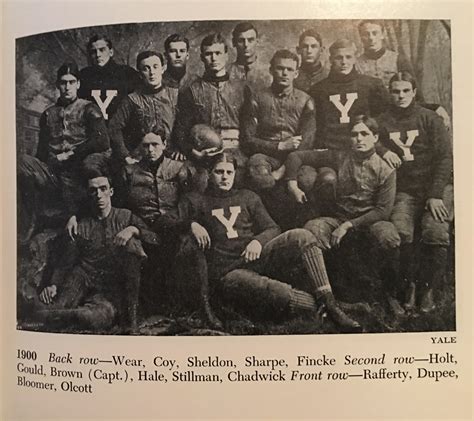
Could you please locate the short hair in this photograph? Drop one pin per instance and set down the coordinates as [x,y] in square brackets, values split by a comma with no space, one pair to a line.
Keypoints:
[97,37]
[68,68]
[373,22]
[284,54]
[91,173]
[341,43]
[221,157]
[403,76]
[211,39]
[149,53]
[176,38]
[370,122]
[242,27]
[311,33]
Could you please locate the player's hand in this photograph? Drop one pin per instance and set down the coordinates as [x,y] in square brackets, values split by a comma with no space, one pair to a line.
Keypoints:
[290,144]
[129,160]
[71,227]
[46,296]
[296,192]
[437,209]
[339,233]
[392,159]
[124,236]
[201,235]
[445,116]
[252,251]
[178,156]
[64,156]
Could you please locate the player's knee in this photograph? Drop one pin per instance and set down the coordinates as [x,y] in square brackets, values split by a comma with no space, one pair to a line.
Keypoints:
[435,233]
[260,171]
[98,316]
[299,238]
[327,177]
[320,230]
[385,235]
[306,178]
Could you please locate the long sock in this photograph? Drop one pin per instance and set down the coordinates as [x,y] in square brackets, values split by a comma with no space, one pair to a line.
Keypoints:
[300,300]
[433,261]
[390,271]
[313,261]
[407,262]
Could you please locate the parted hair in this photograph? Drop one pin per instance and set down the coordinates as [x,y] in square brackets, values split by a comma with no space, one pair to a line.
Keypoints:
[214,38]
[176,38]
[68,68]
[370,122]
[242,27]
[403,76]
[373,22]
[149,53]
[221,157]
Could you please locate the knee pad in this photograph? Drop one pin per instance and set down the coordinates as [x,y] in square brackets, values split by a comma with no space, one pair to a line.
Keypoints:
[385,235]
[327,176]
[435,233]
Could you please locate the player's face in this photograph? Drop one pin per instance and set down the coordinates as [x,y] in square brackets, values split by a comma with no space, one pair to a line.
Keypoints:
[177,54]
[223,175]
[100,192]
[363,140]
[100,53]
[310,50]
[246,44]
[151,71]
[343,60]
[68,86]
[402,93]
[284,72]
[153,148]
[372,36]
[215,59]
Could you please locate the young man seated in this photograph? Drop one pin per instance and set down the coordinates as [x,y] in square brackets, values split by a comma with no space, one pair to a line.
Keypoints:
[364,200]
[415,142]
[235,242]
[102,283]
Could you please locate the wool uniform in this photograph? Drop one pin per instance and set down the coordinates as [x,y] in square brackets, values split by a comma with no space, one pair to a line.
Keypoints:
[417,135]
[310,75]
[141,112]
[338,98]
[108,85]
[233,219]
[255,74]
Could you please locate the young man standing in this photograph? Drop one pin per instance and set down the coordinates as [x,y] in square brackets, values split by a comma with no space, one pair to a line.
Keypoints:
[73,137]
[105,82]
[146,112]
[214,100]
[247,66]
[102,283]
[310,47]
[277,120]
[415,141]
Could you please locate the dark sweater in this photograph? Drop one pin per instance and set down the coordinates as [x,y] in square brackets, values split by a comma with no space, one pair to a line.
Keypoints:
[427,163]
[368,95]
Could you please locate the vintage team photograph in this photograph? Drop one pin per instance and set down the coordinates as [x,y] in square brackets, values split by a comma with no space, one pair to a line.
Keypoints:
[236,178]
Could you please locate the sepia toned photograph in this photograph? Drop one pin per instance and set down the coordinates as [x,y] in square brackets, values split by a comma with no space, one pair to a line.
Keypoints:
[236,178]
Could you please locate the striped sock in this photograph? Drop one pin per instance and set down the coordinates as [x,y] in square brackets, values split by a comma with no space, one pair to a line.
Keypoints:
[316,269]
[300,300]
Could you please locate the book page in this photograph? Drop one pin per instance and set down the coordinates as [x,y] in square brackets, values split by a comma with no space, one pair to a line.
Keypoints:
[274,352]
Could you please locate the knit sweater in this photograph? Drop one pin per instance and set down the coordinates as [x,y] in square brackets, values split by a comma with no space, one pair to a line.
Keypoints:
[418,136]
[338,99]
[232,219]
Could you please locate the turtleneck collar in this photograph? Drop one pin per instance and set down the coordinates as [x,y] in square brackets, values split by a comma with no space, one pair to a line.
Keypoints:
[375,55]
[337,77]
[280,93]
[215,79]
[149,90]
[403,112]
[216,192]
[246,64]
[63,103]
